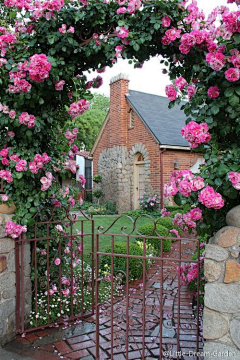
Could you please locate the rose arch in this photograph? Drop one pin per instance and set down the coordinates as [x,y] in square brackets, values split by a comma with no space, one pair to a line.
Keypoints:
[45,48]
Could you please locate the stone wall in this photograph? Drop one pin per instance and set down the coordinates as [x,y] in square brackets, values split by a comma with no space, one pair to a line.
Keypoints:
[221,318]
[8,283]
[116,166]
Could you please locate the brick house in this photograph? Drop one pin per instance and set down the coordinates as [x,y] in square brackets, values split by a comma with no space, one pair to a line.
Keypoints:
[139,145]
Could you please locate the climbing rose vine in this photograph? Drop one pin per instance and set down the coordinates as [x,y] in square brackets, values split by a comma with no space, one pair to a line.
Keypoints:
[44,54]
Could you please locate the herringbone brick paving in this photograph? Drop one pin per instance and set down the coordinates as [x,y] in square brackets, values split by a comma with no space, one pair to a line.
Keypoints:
[78,341]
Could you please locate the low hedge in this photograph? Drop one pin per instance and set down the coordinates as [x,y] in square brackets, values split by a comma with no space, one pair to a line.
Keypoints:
[148,230]
[167,222]
[173,213]
[120,263]
[173,207]
[134,213]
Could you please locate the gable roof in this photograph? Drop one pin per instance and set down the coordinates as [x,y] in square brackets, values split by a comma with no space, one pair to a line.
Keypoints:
[164,123]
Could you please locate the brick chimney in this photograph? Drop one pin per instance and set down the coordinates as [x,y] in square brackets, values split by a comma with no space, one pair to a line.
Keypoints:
[118,110]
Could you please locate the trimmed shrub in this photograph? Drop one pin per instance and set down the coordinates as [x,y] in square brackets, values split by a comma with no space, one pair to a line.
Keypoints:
[176,212]
[120,263]
[148,230]
[134,213]
[173,207]
[167,222]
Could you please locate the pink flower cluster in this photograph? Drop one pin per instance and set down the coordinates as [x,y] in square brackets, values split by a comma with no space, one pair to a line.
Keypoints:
[234,177]
[63,29]
[5,110]
[64,192]
[183,181]
[14,230]
[171,35]
[216,60]
[4,197]
[39,67]
[211,199]
[95,83]
[46,181]
[73,152]
[196,134]
[188,220]
[82,180]
[78,108]
[71,135]
[180,83]
[122,32]
[27,119]
[6,175]
[171,92]
[59,85]
[6,40]
[166,21]
[21,165]
[213,92]
[188,273]
[165,213]
[118,51]
[38,162]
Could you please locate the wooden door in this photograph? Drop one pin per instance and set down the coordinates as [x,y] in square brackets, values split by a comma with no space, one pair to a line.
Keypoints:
[139,183]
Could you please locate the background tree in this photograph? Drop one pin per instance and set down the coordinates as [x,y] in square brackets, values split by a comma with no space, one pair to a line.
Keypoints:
[91,121]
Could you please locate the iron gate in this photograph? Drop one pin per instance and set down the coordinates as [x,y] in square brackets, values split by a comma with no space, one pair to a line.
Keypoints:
[155,316]
[54,282]
[145,310]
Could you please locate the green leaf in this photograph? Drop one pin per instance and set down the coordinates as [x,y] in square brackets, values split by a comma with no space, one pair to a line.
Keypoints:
[19,175]
[136,47]
[196,67]
[237,38]
[178,199]
[229,92]
[234,100]
[41,101]
[215,110]
[218,182]
[237,90]
[156,26]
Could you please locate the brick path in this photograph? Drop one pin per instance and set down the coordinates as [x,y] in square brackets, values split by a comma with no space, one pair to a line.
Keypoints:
[77,341]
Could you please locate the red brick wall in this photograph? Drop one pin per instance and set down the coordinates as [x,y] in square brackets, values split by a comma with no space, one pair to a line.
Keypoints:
[140,134]
[185,160]
[118,133]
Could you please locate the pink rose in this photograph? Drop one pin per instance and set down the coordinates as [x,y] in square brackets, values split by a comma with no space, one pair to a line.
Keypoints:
[213,92]
[232,74]
[57,261]
[166,21]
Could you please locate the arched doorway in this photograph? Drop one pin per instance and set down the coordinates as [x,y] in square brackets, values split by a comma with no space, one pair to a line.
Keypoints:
[139,178]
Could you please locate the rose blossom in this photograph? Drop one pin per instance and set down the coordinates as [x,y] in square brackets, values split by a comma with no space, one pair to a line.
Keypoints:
[57,261]
[213,92]
[59,228]
[171,92]
[232,74]
[166,21]
[4,197]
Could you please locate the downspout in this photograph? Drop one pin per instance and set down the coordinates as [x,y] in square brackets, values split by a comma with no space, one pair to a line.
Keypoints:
[161,176]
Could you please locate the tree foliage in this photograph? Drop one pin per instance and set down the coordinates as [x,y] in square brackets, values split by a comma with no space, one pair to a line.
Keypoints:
[91,121]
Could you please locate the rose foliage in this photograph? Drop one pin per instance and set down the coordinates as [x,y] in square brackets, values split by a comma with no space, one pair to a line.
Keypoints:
[45,47]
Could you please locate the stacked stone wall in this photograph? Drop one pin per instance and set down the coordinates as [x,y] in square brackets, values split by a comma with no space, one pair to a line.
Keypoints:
[116,166]
[221,319]
[8,283]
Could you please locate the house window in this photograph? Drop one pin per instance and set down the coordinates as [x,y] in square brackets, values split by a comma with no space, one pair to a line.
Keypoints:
[131,119]
[88,174]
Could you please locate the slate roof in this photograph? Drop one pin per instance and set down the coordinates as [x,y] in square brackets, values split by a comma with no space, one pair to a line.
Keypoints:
[164,123]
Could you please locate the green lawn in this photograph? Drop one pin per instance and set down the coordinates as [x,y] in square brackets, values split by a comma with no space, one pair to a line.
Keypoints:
[104,240]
